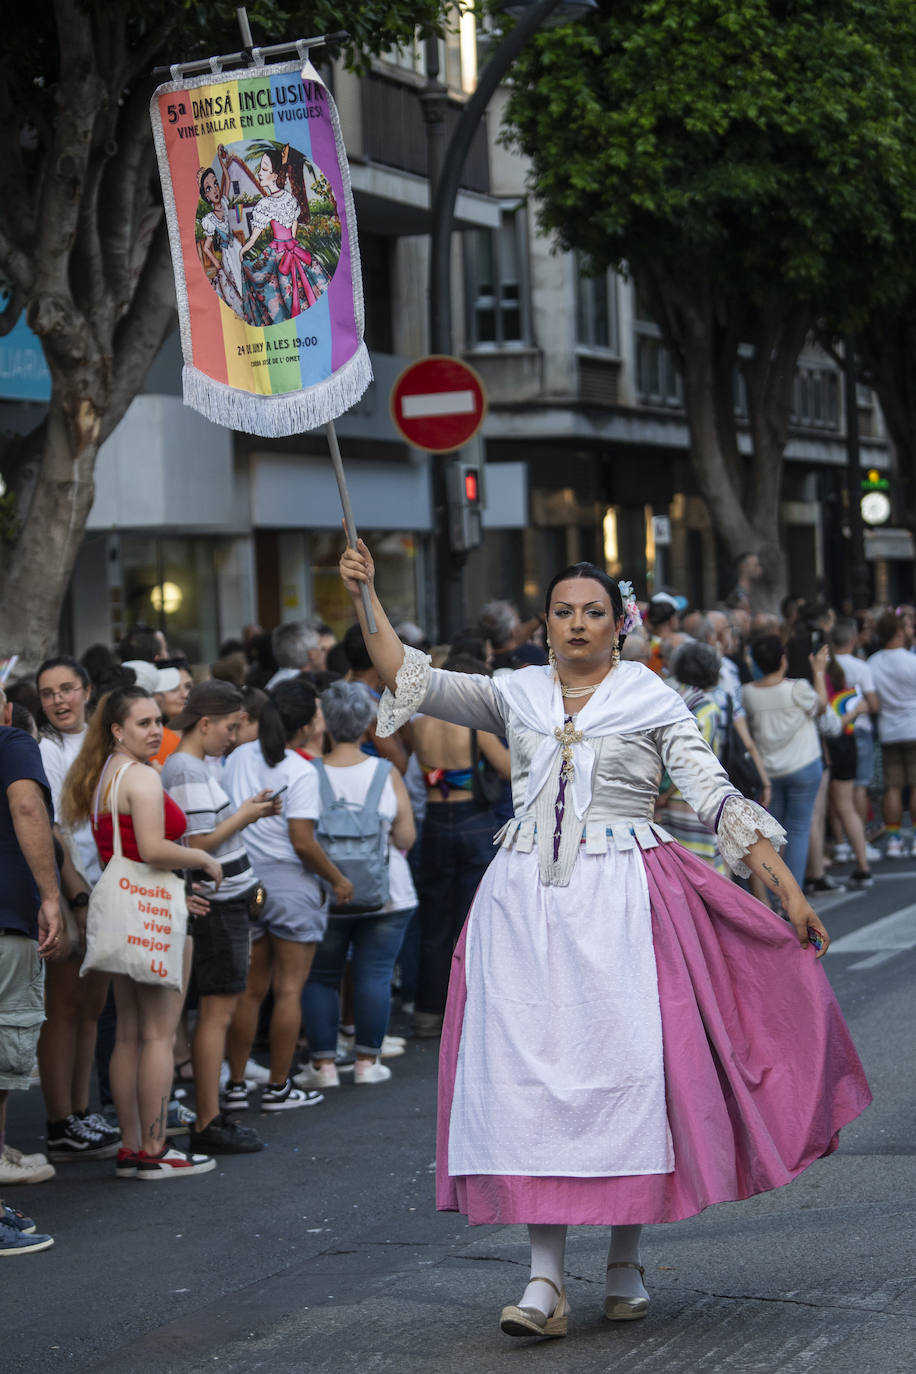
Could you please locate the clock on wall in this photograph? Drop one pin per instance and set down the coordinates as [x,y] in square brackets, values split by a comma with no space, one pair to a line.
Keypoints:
[875,507]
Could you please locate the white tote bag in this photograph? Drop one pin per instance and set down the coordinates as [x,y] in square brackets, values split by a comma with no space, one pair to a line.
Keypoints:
[137,918]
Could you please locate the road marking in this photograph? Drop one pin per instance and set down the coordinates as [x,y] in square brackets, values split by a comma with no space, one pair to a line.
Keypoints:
[881,940]
[438,403]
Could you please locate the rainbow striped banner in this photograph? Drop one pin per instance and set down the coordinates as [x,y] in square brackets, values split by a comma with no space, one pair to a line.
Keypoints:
[264,247]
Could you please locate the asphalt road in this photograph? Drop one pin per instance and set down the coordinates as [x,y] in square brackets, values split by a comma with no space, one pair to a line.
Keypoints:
[324,1253]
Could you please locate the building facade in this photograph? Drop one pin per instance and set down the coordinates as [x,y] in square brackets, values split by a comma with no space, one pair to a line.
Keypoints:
[585,447]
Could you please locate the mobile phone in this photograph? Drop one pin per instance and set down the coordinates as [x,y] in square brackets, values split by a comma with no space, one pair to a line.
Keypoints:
[817,639]
[814,937]
[279,793]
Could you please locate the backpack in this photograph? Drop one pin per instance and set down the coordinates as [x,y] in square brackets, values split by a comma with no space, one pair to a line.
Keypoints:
[355,838]
[737,762]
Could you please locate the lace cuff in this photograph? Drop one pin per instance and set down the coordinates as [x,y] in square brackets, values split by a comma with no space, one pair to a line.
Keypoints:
[742,824]
[412,684]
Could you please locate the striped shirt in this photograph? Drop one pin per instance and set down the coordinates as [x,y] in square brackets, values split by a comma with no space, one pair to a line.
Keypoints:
[202,798]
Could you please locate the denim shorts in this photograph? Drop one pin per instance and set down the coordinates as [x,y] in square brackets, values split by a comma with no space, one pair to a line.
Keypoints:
[22,1008]
[865,757]
[295,909]
[222,948]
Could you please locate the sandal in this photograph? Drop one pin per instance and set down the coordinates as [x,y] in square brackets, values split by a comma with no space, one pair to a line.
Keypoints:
[620,1309]
[531,1321]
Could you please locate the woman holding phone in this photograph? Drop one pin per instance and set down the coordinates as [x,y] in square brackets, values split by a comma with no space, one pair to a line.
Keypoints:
[289,862]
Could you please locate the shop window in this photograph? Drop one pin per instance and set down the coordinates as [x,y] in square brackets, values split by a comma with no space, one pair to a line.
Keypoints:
[171,584]
[496,277]
[395,555]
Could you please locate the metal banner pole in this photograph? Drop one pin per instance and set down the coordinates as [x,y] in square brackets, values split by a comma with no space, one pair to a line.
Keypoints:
[336,460]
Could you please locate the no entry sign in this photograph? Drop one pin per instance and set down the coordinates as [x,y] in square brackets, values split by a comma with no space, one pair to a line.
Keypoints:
[438,404]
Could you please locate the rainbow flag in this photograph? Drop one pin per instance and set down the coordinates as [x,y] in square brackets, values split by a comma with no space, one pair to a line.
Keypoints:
[264,248]
[843,702]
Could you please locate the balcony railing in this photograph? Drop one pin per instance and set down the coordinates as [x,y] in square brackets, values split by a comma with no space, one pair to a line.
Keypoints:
[394,132]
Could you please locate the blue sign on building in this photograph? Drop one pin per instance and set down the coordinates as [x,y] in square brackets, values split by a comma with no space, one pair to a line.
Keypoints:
[24,374]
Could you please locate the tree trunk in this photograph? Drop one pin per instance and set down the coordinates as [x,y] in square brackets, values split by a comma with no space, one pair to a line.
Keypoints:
[37,566]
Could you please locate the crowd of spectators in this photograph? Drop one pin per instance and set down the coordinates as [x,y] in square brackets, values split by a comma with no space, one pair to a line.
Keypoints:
[814,710]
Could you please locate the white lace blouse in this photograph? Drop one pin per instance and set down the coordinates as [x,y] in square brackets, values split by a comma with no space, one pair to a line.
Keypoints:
[282,207]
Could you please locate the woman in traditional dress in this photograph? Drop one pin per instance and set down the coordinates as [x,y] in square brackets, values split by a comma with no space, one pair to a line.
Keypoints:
[217,227]
[629,1036]
[285,279]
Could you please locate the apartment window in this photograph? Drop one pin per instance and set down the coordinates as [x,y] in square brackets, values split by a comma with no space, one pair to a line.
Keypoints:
[496,273]
[375,254]
[817,398]
[596,309]
[658,381]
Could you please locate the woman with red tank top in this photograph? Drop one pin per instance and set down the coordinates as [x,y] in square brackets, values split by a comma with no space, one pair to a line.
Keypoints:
[126,730]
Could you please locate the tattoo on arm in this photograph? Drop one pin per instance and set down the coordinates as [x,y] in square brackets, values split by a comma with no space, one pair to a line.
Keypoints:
[773,878]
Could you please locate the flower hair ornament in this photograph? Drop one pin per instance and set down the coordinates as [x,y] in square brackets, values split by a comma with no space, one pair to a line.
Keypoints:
[631,616]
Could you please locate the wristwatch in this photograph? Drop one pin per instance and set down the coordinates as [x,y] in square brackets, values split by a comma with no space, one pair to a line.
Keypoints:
[80,900]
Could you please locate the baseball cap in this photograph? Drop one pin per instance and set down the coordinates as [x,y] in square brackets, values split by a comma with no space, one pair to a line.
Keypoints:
[167,679]
[665,598]
[146,674]
[210,698]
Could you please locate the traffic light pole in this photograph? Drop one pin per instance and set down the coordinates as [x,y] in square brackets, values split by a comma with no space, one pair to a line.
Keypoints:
[857,580]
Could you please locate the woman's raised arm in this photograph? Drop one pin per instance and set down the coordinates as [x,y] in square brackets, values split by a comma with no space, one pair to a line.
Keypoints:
[385,649]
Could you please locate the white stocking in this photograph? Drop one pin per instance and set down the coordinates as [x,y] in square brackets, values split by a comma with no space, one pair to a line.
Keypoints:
[625,1283]
[548,1248]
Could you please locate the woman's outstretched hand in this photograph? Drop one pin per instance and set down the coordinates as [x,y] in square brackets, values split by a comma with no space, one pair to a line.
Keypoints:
[357,569]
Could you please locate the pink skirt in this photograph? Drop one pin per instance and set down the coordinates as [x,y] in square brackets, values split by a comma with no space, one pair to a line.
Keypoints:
[760,1069]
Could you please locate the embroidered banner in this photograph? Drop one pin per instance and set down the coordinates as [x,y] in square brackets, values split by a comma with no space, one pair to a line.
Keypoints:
[263,237]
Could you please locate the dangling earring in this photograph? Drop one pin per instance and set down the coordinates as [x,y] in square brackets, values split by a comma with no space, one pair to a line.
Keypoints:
[615,655]
[551,656]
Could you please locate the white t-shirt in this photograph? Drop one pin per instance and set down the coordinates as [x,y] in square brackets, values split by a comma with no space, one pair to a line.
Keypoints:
[57,754]
[894,674]
[206,804]
[858,674]
[248,772]
[781,721]
[352,784]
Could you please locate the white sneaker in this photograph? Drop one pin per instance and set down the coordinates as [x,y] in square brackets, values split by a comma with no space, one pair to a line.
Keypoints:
[842,852]
[372,1072]
[392,1046]
[255,1075]
[894,849]
[873,854]
[313,1076]
[284,1097]
[15,1167]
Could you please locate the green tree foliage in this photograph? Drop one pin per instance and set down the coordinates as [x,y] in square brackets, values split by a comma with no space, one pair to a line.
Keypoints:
[83,248]
[751,162]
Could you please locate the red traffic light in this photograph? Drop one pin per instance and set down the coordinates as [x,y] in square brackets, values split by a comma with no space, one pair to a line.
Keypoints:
[471,491]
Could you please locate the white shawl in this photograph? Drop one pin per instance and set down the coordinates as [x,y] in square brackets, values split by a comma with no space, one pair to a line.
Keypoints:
[631,699]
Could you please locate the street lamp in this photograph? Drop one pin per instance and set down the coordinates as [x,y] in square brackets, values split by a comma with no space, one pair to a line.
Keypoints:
[445,175]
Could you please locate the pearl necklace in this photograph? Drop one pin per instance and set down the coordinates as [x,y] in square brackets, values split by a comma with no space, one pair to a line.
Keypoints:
[573,692]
